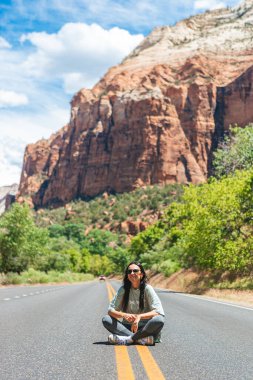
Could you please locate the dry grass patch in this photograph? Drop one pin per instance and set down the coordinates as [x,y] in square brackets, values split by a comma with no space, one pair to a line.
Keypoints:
[205,284]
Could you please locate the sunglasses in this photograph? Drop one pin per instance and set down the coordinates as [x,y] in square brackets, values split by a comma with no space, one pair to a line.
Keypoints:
[129,271]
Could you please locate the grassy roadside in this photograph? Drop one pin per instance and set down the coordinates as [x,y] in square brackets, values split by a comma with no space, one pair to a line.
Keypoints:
[237,289]
[32,276]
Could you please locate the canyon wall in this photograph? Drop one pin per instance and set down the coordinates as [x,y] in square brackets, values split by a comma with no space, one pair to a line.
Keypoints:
[153,119]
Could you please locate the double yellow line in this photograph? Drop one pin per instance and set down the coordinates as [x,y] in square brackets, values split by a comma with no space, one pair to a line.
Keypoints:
[124,366]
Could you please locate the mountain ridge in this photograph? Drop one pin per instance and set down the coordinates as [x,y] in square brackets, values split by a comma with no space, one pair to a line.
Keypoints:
[154,118]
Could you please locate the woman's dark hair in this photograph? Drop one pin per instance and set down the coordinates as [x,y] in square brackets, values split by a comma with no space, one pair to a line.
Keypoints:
[127,286]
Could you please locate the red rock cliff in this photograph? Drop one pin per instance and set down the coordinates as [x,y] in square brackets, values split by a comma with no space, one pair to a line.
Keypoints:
[155,118]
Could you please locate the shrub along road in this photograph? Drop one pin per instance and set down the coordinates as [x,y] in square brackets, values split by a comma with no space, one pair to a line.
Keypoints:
[55,332]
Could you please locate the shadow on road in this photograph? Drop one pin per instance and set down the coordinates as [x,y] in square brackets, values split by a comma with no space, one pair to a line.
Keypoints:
[105,343]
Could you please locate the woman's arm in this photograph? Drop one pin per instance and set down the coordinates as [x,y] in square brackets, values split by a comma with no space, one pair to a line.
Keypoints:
[148,315]
[116,314]
[153,300]
[121,314]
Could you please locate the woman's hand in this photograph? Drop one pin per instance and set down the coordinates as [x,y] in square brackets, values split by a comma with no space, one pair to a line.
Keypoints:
[135,324]
[129,317]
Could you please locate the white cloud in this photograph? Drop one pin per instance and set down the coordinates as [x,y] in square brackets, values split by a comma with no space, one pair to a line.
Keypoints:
[73,81]
[34,77]
[78,54]
[30,128]
[12,99]
[11,157]
[4,44]
[209,4]
[18,130]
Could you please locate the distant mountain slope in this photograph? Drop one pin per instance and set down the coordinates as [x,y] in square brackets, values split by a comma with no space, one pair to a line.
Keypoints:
[155,118]
[7,195]
[123,214]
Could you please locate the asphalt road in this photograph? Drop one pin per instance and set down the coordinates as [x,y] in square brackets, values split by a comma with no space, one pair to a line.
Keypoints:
[55,332]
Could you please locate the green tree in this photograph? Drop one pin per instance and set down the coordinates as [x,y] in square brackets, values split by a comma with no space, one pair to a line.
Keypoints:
[56,230]
[211,228]
[100,265]
[71,231]
[75,259]
[53,261]
[63,254]
[145,241]
[100,242]
[120,258]
[74,232]
[85,261]
[235,152]
[21,242]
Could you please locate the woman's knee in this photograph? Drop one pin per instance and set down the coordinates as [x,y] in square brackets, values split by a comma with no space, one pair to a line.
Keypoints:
[107,320]
[158,320]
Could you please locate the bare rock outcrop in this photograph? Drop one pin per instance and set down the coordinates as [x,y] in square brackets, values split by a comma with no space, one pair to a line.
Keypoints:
[155,118]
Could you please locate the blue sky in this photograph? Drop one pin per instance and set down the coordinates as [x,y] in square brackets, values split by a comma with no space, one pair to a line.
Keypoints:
[49,49]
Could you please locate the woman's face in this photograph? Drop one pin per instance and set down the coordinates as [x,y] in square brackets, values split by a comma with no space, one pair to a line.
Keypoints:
[134,275]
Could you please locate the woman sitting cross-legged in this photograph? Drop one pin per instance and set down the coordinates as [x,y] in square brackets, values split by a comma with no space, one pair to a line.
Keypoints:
[135,314]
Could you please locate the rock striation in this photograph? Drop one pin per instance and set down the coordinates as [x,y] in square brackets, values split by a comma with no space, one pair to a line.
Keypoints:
[155,118]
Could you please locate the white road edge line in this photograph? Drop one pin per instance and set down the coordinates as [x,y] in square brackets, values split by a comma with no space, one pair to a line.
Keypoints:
[209,300]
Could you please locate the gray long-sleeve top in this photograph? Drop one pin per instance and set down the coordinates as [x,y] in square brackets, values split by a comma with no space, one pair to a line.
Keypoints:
[151,301]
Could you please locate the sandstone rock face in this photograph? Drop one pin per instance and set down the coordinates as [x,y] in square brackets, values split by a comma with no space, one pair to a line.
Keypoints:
[155,118]
[235,101]
[40,160]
